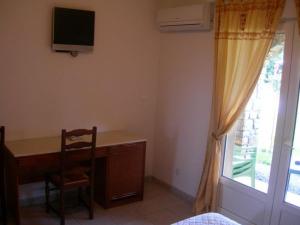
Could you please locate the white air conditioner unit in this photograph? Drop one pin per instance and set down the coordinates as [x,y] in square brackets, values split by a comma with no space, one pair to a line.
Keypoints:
[185,18]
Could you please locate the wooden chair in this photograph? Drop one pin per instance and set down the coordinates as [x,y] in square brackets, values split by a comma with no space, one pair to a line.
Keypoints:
[73,172]
[244,163]
[2,176]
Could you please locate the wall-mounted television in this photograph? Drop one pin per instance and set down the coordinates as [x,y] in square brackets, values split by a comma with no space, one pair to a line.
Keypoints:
[73,30]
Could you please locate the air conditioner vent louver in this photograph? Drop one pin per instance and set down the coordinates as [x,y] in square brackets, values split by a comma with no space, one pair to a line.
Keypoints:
[186,18]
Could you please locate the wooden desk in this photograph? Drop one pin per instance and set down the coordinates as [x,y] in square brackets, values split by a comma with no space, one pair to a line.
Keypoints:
[119,173]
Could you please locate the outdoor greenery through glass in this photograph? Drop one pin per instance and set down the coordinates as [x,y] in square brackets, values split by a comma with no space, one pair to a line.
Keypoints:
[293,185]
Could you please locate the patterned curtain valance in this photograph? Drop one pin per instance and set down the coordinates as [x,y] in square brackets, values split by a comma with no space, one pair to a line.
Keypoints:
[235,18]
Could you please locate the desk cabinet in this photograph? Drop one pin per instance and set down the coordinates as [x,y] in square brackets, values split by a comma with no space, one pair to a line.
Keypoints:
[119,167]
[120,178]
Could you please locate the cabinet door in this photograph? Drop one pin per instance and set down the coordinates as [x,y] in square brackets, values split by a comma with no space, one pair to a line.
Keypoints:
[126,171]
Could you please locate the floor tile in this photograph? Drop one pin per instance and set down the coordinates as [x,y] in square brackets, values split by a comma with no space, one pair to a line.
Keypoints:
[36,215]
[159,207]
[161,217]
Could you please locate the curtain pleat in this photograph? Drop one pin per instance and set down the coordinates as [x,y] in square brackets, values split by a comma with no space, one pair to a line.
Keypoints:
[298,12]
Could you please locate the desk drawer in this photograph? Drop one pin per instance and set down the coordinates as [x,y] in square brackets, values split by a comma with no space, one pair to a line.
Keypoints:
[126,148]
[34,168]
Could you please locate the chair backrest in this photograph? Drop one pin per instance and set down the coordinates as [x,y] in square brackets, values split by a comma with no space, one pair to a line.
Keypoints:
[74,140]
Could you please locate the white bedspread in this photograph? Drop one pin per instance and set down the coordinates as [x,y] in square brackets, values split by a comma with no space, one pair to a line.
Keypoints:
[207,219]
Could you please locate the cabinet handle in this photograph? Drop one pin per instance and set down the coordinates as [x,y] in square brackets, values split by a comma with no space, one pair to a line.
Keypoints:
[120,197]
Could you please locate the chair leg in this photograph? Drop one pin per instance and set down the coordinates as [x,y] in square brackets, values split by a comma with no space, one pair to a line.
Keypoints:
[91,201]
[47,194]
[3,193]
[79,195]
[3,210]
[62,208]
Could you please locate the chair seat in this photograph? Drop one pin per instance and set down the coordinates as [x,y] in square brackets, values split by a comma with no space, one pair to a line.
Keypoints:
[73,178]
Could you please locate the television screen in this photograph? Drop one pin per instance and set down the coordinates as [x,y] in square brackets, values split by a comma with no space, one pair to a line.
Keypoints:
[73,29]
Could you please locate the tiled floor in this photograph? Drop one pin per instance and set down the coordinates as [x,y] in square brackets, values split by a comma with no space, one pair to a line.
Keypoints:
[159,207]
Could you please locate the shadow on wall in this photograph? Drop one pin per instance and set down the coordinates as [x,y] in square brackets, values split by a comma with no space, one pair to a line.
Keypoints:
[166,155]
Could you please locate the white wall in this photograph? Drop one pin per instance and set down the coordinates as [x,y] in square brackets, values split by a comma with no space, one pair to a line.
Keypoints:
[183,109]
[114,87]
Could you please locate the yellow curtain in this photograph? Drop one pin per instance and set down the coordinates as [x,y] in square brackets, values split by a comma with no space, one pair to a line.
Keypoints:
[243,35]
[298,11]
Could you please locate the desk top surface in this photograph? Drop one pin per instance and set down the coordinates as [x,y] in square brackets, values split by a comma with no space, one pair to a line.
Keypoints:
[45,145]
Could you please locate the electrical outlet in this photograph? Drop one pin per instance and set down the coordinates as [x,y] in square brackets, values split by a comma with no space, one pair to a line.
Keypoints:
[177,172]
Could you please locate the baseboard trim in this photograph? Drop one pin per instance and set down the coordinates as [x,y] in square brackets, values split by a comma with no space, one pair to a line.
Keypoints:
[32,201]
[70,196]
[180,194]
[37,200]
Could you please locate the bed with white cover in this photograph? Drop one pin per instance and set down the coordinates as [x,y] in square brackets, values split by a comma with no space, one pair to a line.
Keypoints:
[207,219]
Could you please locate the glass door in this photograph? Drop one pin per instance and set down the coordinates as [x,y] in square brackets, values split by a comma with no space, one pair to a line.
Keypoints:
[292,192]
[286,206]
[252,150]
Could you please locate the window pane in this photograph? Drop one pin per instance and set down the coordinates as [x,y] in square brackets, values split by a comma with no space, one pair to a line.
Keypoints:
[249,144]
[293,189]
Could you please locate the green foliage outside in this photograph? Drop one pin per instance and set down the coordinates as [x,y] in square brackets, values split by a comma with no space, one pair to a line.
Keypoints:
[265,157]
[273,66]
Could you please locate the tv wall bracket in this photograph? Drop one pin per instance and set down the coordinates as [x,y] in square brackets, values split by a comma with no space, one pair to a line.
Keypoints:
[72,53]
